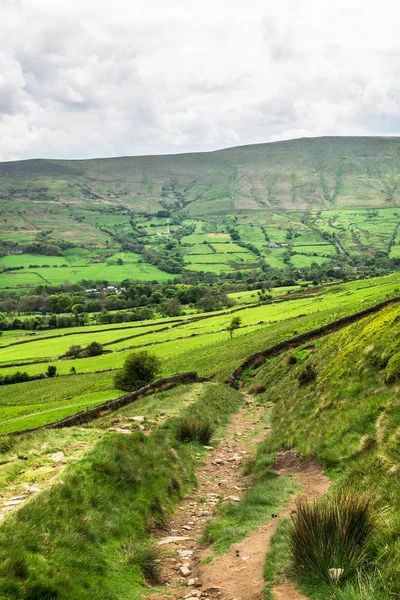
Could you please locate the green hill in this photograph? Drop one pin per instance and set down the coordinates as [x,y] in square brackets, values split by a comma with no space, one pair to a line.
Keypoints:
[329,172]
[334,196]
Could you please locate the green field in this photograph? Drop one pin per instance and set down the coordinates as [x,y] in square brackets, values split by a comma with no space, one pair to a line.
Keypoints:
[199,342]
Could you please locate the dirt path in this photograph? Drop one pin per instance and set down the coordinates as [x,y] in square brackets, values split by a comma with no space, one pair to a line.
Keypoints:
[237,575]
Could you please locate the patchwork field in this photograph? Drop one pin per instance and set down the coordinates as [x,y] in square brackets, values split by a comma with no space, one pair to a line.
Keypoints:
[199,342]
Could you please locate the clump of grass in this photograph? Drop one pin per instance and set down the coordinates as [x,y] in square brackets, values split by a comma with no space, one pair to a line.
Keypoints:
[333,532]
[308,375]
[257,388]
[191,429]
[290,360]
[258,362]
[145,557]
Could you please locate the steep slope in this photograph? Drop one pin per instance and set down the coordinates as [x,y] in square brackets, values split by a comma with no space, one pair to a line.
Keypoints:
[347,413]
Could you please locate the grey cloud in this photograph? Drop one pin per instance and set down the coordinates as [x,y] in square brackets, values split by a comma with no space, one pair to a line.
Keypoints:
[156,77]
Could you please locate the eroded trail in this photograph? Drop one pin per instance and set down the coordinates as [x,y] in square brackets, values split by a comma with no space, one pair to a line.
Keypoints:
[237,575]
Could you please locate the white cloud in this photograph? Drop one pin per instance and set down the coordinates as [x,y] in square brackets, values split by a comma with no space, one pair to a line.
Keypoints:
[92,78]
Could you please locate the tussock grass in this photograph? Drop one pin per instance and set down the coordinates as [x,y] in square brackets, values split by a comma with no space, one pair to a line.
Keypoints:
[143,555]
[259,388]
[334,532]
[192,430]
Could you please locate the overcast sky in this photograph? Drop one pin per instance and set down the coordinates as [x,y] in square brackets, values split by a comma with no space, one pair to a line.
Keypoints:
[89,78]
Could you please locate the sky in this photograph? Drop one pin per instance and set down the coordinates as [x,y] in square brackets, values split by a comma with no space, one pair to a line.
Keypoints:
[90,78]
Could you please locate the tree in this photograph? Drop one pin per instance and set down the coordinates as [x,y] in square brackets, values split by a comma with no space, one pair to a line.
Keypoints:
[171,308]
[139,369]
[94,349]
[51,371]
[234,324]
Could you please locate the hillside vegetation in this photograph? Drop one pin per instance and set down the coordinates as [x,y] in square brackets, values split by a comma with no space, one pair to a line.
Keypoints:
[345,412]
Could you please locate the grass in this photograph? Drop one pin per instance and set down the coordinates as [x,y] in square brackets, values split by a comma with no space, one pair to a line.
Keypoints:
[103,510]
[349,418]
[234,521]
[201,345]
[334,532]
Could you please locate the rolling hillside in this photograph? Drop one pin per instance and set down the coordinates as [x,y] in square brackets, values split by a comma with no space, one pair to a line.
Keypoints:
[302,174]
[317,199]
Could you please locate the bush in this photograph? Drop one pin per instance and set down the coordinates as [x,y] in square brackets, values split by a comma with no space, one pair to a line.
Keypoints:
[51,371]
[192,429]
[308,375]
[139,369]
[333,532]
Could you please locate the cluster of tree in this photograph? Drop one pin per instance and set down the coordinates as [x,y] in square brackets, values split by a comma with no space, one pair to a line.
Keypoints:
[21,377]
[76,351]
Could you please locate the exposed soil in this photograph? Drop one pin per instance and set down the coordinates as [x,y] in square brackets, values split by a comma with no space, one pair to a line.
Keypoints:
[237,575]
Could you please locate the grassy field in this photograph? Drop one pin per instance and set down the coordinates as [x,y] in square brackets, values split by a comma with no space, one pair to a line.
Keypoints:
[112,493]
[182,343]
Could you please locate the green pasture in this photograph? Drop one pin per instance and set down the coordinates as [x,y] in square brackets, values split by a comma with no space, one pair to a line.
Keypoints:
[202,345]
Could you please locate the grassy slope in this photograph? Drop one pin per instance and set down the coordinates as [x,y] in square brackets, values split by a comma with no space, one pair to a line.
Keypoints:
[349,417]
[103,508]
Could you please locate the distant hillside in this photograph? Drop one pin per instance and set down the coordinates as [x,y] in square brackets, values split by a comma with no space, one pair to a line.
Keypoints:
[329,172]
[285,205]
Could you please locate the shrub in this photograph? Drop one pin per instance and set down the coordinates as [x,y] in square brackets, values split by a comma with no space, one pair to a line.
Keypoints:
[51,371]
[73,351]
[333,532]
[191,429]
[145,556]
[139,369]
[308,375]
[94,349]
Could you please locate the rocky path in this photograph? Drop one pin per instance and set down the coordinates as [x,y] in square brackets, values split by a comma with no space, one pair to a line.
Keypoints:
[237,575]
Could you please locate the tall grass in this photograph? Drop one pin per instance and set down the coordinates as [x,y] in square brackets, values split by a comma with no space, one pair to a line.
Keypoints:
[334,532]
[190,429]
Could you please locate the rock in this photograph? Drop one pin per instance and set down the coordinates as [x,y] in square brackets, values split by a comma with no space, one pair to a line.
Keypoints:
[235,457]
[12,503]
[196,582]
[232,499]
[137,419]
[58,456]
[208,447]
[31,488]
[184,570]
[185,553]
[173,539]
[187,527]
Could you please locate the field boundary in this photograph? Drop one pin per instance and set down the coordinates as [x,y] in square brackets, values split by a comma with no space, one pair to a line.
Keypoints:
[298,340]
[89,414]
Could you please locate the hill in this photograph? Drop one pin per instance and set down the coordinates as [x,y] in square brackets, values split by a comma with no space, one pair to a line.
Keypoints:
[329,172]
[322,198]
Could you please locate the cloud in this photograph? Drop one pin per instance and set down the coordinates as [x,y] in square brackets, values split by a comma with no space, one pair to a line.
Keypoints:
[93,79]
